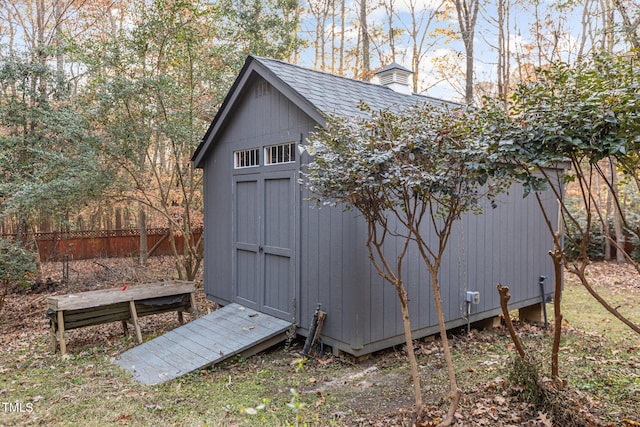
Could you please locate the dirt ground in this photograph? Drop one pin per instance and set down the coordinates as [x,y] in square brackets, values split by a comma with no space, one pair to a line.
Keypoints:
[377,391]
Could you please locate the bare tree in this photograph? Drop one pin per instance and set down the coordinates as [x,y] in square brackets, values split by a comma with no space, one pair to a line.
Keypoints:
[504,51]
[364,39]
[467,11]
[630,28]
[422,34]
[320,10]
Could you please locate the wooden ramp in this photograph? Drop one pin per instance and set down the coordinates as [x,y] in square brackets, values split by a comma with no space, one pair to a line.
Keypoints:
[203,342]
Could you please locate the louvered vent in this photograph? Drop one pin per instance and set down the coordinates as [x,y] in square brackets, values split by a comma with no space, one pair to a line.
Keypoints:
[395,77]
[262,89]
[403,79]
[386,79]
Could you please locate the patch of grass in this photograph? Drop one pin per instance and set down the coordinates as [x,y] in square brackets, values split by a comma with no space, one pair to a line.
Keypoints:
[600,366]
[87,386]
[582,311]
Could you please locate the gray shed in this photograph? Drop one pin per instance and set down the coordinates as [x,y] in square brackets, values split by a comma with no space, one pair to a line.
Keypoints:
[268,248]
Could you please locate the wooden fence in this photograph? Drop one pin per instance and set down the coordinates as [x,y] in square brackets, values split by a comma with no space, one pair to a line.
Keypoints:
[54,246]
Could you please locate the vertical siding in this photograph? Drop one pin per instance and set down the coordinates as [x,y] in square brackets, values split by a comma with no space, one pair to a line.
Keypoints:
[507,245]
[309,262]
[262,116]
[217,229]
[330,273]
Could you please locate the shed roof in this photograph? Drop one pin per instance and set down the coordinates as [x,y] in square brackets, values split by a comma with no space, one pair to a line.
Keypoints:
[394,66]
[317,93]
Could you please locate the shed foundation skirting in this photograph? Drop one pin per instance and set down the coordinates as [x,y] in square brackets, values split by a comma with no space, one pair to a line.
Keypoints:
[532,313]
[340,346]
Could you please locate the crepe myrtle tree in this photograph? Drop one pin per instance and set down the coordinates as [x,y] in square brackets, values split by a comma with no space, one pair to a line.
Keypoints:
[411,175]
[586,116]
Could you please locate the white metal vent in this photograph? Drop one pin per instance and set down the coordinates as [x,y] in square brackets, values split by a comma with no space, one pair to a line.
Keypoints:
[403,79]
[386,79]
[396,78]
[281,153]
[246,158]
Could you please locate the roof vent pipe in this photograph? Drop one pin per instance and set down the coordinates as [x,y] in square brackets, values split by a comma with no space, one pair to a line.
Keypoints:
[395,77]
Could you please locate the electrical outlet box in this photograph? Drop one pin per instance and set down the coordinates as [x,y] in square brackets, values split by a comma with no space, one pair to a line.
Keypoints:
[473,297]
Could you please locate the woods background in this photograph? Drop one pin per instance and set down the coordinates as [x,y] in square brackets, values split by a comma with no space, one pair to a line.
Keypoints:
[103,102]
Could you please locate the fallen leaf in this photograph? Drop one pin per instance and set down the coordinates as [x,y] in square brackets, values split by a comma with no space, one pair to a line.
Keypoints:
[544,419]
[124,419]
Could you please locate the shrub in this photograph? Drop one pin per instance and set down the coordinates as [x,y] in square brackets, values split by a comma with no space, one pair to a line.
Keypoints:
[17,264]
[573,238]
[524,377]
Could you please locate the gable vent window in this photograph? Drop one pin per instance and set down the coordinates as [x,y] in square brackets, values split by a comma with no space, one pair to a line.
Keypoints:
[246,158]
[281,153]
[262,89]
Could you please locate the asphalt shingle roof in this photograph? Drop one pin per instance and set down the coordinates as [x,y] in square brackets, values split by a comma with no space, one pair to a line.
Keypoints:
[332,94]
[326,93]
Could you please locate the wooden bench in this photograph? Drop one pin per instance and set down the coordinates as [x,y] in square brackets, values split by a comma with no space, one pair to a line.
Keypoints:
[125,304]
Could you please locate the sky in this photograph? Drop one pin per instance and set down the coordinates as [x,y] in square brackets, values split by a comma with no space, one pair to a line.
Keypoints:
[567,23]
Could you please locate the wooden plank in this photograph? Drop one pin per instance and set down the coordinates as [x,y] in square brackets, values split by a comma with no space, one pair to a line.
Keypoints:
[188,343]
[134,319]
[203,342]
[104,297]
[113,313]
[84,313]
[225,333]
[53,337]
[239,330]
[151,369]
[211,337]
[188,358]
[173,355]
[63,345]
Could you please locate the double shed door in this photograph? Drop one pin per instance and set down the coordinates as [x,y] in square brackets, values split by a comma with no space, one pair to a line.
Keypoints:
[264,235]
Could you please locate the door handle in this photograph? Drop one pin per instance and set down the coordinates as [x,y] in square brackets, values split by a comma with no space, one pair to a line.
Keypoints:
[260,248]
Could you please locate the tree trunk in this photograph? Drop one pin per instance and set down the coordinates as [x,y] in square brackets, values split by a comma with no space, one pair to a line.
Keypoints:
[142,226]
[392,42]
[342,30]
[617,215]
[366,63]
[504,51]
[606,227]
[383,267]
[630,27]
[59,52]
[413,363]
[22,231]
[504,303]
[455,392]
[118,219]
[467,16]
[556,256]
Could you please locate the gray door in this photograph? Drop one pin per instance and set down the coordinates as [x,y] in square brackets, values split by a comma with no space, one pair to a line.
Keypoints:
[264,231]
